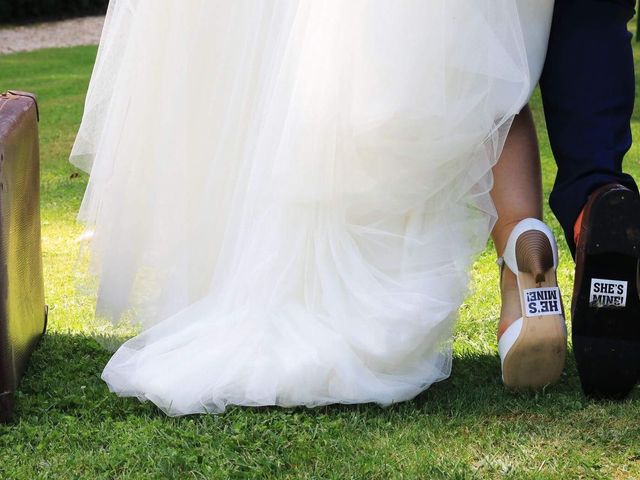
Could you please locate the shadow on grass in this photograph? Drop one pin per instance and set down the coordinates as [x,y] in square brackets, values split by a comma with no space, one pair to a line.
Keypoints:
[64,379]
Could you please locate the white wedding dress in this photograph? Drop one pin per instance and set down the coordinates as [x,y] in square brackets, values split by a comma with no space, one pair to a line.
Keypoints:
[288,194]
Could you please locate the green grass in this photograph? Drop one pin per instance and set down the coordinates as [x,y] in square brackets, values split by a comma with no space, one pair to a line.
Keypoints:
[466,427]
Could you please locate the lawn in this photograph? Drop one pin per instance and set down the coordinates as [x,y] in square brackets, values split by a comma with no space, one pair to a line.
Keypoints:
[70,426]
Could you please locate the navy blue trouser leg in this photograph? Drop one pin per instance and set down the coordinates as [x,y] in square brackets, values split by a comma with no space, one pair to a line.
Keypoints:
[588,91]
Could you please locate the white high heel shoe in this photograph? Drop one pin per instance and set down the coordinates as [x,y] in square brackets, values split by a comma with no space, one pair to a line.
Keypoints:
[533,348]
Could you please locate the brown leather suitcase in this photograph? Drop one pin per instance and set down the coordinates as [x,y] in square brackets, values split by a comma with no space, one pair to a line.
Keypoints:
[23,313]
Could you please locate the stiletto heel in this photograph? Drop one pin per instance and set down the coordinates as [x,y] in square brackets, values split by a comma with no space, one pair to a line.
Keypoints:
[534,254]
[533,348]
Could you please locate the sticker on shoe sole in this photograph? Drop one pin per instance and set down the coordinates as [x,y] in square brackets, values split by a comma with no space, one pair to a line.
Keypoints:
[540,302]
[608,293]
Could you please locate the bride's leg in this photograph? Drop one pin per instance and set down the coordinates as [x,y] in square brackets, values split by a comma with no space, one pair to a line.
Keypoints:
[533,351]
[517,190]
[517,194]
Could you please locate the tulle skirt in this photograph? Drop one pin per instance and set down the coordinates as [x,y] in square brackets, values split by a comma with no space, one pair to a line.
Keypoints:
[287,195]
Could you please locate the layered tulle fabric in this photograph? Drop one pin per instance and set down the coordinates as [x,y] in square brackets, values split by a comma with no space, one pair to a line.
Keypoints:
[288,194]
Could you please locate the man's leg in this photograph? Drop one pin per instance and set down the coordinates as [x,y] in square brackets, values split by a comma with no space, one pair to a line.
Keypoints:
[588,90]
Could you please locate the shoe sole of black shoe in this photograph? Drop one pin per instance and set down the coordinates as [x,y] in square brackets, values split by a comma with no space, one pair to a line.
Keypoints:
[606,322]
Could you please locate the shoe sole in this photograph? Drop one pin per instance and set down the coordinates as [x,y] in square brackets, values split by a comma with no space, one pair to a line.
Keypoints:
[537,358]
[606,335]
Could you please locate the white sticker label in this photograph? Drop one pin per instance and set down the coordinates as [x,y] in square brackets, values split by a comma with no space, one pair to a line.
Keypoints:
[608,293]
[540,302]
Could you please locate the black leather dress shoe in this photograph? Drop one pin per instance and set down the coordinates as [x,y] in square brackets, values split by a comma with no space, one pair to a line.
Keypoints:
[606,298]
